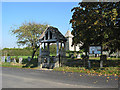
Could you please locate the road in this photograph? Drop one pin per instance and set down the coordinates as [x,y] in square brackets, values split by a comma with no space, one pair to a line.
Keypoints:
[28,78]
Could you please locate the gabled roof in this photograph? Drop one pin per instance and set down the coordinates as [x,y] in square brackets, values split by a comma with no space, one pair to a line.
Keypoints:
[42,35]
[56,34]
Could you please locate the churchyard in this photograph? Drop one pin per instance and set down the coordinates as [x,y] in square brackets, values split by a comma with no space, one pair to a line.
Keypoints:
[91,47]
[110,66]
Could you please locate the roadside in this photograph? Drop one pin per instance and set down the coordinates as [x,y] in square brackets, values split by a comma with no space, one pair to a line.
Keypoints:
[54,79]
[106,71]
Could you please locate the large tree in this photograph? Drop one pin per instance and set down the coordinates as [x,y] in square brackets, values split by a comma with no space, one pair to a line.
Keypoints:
[96,23]
[28,34]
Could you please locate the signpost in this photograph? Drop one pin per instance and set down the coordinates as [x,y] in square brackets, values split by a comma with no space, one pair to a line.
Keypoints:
[96,50]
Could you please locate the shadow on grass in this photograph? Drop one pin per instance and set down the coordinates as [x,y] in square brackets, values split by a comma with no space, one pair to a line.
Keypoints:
[30,64]
[93,63]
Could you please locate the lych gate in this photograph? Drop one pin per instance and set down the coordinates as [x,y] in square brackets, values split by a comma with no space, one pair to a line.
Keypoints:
[51,35]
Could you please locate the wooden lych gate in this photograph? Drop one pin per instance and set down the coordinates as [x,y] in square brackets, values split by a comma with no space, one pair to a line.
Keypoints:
[51,35]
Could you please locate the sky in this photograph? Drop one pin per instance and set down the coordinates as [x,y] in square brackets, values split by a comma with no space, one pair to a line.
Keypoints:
[57,14]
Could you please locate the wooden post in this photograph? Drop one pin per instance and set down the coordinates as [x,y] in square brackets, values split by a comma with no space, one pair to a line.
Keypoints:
[48,46]
[89,63]
[44,42]
[57,48]
[64,46]
[49,55]
[61,46]
[101,59]
[48,34]
[40,49]
[58,59]
[40,59]
[44,45]
[101,63]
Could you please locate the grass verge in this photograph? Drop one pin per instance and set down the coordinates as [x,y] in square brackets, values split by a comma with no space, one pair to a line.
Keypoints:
[11,65]
[15,65]
[104,71]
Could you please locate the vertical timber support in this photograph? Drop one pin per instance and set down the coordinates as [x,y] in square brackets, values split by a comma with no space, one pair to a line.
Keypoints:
[48,35]
[57,56]
[48,60]
[61,46]
[57,48]
[44,42]
[61,54]
[64,46]
[39,58]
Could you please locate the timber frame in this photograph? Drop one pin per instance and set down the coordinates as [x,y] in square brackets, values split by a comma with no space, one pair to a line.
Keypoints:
[51,35]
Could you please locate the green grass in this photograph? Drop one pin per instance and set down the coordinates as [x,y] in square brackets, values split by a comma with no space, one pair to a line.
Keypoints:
[11,65]
[17,65]
[98,58]
[22,56]
[104,71]
[52,54]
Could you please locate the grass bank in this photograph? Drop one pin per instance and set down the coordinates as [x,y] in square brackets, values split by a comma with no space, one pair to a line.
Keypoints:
[15,65]
[6,64]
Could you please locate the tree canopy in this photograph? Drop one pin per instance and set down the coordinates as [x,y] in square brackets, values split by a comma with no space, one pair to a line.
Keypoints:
[28,34]
[96,23]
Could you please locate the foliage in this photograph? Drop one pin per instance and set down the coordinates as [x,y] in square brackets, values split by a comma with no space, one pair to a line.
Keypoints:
[28,34]
[96,24]
[53,49]
[17,52]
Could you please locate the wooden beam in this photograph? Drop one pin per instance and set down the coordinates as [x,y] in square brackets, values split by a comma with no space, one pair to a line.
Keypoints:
[57,48]
[64,46]
[48,46]
[40,49]
[48,35]
[61,46]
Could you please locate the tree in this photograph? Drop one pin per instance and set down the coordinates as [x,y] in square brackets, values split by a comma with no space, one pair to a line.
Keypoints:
[96,24]
[53,49]
[28,34]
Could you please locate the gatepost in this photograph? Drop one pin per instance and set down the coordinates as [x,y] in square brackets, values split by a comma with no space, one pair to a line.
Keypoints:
[102,58]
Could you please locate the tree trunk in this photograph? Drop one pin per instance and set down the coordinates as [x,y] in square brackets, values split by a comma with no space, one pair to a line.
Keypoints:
[85,53]
[34,51]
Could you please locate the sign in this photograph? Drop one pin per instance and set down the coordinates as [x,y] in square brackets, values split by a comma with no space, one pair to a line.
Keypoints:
[95,50]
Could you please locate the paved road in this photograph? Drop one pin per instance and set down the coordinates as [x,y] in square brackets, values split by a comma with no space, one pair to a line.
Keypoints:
[27,78]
